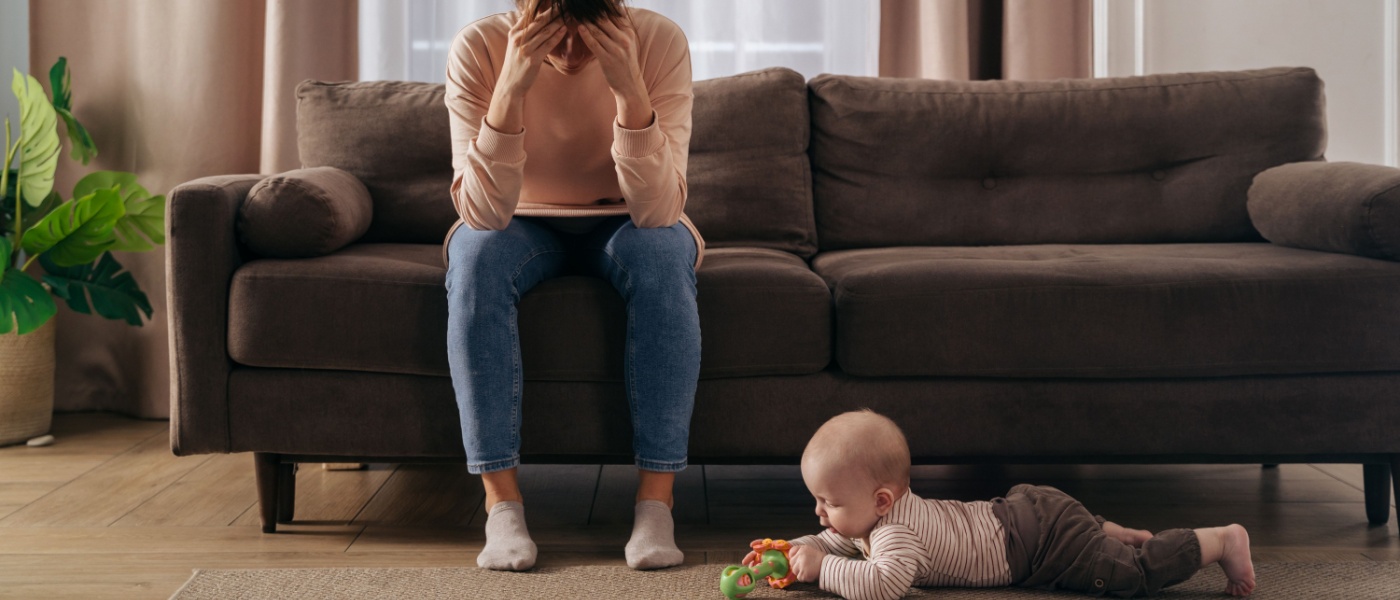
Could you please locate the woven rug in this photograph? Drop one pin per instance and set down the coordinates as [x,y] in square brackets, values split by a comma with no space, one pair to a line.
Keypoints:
[1360,580]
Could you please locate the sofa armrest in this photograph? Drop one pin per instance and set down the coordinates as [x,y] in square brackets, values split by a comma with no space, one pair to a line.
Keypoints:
[1346,207]
[201,253]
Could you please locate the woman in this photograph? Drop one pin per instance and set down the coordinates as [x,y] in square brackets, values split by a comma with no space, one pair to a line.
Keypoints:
[570,135]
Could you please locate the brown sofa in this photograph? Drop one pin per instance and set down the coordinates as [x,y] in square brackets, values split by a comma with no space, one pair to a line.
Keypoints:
[1049,271]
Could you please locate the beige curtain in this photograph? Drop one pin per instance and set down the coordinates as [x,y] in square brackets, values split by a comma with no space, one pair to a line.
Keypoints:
[174,90]
[986,39]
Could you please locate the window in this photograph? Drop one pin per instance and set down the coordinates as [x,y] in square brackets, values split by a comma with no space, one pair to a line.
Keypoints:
[409,39]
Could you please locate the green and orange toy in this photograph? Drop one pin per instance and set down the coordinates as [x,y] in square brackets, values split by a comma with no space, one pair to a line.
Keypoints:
[768,560]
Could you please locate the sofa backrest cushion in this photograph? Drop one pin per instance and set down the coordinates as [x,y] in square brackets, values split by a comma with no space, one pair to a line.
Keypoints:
[748,178]
[393,136]
[1157,158]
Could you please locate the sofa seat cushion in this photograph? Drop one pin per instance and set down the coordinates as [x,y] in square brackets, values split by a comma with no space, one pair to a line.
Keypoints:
[1153,310]
[383,308]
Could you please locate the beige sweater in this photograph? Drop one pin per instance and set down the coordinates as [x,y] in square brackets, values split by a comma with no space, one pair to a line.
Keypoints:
[925,543]
[573,159]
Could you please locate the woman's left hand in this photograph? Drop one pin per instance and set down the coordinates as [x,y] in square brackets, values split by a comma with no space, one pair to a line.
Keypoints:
[615,42]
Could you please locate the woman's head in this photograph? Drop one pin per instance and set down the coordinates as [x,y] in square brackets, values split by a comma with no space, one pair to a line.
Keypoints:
[571,53]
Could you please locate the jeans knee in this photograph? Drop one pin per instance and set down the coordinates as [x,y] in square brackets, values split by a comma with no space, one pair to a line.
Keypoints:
[487,258]
[657,258]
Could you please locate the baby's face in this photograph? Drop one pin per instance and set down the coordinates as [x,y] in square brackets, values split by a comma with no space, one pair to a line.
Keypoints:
[845,498]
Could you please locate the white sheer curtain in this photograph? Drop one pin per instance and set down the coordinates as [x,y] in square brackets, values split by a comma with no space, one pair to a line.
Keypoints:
[408,39]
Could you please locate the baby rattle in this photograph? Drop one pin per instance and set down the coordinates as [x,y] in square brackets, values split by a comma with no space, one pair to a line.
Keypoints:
[768,559]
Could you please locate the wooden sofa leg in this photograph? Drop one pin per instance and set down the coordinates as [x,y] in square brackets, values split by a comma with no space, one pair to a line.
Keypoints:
[265,471]
[286,491]
[1376,478]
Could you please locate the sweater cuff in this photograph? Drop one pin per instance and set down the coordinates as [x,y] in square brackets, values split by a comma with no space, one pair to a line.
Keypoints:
[500,147]
[636,143]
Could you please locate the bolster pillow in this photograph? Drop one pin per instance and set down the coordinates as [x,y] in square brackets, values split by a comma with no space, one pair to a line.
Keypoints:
[304,213]
[1346,207]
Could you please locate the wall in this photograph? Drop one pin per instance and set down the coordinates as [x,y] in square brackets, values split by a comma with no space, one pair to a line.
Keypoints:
[14,54]
[1351,44]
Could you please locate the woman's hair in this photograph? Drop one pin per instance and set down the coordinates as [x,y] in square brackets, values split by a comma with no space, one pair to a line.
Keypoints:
[583,11]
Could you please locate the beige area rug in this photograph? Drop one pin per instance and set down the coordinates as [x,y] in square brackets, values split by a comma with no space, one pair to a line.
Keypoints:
[1359,580]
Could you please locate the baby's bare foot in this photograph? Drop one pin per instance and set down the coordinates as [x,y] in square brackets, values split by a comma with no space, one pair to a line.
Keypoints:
[1236,561]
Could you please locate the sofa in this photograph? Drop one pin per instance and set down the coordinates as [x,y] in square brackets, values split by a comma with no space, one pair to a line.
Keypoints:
[1153,269]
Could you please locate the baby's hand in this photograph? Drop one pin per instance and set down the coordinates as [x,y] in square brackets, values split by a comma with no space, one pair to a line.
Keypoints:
[806,562]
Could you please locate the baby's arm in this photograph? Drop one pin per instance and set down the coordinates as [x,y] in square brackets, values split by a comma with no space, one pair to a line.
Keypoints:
[830,542]
[895,556]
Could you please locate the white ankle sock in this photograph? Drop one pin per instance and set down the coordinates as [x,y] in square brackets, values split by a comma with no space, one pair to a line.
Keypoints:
[508,543]
[653,543]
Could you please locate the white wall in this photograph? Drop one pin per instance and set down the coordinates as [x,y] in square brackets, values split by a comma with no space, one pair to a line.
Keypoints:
[1351,44]
[14,54]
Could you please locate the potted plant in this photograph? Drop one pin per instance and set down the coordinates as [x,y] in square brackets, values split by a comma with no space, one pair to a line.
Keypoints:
[71,240]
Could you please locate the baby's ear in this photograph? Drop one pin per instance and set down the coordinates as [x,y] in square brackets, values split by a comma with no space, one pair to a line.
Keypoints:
[884,501]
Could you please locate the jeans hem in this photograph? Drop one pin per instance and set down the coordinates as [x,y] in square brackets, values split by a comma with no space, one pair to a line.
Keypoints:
[495,465]
[665,467]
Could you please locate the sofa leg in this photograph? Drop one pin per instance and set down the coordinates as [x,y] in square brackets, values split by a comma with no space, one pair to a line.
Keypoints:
[1395,475]
[265,471]
[1377,485]
[286,491]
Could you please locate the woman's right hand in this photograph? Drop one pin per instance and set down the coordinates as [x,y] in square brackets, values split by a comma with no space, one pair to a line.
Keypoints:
[526,48]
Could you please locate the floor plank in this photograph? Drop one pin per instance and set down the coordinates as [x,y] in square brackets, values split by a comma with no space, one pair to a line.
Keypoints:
[214,493]
[326,497]
[107,492]
[425,494]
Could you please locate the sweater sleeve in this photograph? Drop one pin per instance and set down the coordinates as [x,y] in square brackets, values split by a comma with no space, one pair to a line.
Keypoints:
[830,543]
[894,561]
[651,162]
[487,165]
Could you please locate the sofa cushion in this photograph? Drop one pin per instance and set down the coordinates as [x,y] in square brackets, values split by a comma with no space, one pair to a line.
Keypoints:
[303,213]
[748,178]
[383,308]
[1157,158]
[393,136]
[1155,310]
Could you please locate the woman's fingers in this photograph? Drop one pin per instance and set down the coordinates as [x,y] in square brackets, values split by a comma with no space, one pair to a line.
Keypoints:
[547,39]
[591,39]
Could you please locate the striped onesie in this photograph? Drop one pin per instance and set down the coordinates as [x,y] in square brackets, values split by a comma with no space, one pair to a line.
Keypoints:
[920,542]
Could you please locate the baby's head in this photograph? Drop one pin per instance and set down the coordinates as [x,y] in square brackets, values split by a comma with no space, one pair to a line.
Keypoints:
[856,466]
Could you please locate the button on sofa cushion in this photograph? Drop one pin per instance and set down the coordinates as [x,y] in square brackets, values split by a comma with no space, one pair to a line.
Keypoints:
[1112,310]
[304,213]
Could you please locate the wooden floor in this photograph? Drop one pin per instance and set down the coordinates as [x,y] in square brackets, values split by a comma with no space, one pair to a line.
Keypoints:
[109,512]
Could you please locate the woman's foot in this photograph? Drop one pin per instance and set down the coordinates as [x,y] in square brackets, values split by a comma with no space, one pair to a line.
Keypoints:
[653,543]
[508,544]
[1236,561]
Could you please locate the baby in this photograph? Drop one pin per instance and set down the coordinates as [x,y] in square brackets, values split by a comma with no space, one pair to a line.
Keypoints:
[857,468]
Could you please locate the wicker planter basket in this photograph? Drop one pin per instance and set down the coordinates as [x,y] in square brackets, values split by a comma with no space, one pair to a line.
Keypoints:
[26,384]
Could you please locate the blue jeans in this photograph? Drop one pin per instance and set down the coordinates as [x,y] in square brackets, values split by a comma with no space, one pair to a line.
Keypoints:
[652,268]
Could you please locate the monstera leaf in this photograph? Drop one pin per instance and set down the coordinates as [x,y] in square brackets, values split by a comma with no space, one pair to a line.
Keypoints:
[60,81]
[144,217]
[78,231]
[24,303]
[114,292]
[39,144]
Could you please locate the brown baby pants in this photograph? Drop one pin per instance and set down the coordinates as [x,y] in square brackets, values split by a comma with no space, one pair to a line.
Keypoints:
[1053,542]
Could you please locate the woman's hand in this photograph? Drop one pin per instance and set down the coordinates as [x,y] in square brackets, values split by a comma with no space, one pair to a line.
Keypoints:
[806,562]
[614,43]
[526,48]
